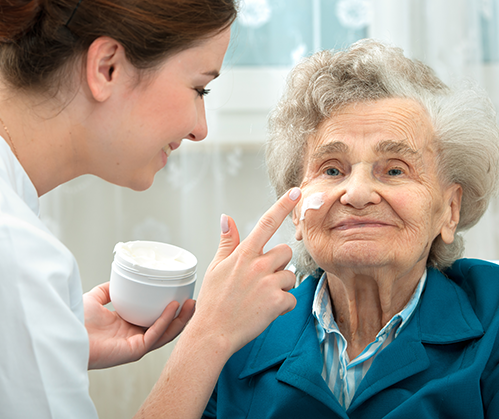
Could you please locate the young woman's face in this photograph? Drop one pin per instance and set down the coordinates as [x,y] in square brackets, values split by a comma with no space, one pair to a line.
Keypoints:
[152,118]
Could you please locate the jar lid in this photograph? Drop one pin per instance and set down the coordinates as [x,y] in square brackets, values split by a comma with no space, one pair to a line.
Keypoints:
[150,258]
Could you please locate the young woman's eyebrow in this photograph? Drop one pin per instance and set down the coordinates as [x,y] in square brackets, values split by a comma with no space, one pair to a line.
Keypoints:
[213,73]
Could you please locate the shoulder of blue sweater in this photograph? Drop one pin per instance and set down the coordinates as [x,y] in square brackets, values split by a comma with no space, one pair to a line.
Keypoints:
[474,272]
[479,280]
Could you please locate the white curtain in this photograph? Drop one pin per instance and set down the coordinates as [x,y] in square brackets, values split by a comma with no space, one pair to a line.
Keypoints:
[226,172]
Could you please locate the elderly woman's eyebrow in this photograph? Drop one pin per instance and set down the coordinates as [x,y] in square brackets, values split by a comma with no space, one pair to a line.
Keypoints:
[396,147]
[330,148]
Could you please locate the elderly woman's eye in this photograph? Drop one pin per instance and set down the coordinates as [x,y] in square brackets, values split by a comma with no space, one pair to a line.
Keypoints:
[395,172]
[332,171]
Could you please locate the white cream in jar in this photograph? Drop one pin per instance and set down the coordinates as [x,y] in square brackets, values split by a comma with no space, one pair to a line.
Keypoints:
[153,255]
[146,276]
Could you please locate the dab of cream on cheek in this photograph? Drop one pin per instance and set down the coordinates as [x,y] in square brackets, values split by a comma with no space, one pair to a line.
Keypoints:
[149,256]
[314,201]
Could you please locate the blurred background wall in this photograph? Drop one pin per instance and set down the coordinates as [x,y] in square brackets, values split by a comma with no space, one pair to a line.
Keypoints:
[226,172]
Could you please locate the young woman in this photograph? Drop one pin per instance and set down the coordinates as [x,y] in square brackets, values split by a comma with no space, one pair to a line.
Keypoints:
[111,89]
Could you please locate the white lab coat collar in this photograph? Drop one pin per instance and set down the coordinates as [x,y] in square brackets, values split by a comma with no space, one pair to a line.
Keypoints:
[19,178]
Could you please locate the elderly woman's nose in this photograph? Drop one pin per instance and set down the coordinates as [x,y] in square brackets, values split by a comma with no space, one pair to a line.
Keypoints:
[360,189]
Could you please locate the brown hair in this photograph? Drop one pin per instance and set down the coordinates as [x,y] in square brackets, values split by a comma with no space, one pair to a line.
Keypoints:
[39,38]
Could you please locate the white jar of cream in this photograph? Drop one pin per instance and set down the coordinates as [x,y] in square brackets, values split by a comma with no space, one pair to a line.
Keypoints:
[146,276]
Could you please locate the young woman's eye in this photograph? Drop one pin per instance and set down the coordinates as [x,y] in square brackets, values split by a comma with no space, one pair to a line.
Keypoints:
[203,92]
[332,171]
[395,172]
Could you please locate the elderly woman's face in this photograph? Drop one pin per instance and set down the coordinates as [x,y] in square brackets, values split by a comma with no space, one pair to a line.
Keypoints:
[373,167]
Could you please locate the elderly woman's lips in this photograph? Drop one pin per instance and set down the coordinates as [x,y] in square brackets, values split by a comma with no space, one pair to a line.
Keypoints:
[347,225]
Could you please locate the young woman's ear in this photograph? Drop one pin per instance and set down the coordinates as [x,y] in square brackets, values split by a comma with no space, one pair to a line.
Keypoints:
[105,66]
[454,196]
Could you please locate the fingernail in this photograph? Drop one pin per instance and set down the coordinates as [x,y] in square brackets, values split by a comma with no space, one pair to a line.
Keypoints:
[224,224]
[294,193]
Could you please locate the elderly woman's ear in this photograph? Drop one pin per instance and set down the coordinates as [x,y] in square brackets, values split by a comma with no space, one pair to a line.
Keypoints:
[451,213]
[296,221]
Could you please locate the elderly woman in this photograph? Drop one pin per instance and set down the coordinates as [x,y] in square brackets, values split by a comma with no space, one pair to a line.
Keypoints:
[392,164]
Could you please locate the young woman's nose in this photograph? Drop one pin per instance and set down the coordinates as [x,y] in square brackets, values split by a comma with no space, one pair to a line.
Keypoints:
[360,188]
[200,131]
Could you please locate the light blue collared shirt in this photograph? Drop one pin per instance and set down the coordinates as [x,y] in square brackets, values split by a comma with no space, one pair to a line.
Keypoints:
[342,375]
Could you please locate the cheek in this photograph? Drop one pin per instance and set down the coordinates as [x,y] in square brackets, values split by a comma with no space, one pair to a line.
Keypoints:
[166,104]
[182,119]
[420,212]
[311,202]
[168,123]
[408,206]
[315,216]
[315,204]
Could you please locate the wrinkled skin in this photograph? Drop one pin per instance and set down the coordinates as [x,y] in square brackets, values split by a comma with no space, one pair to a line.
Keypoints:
[384,204]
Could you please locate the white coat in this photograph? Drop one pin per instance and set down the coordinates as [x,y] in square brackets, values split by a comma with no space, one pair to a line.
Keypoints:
[44,345]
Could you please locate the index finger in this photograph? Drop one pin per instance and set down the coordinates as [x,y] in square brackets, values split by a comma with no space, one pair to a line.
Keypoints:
[272,220]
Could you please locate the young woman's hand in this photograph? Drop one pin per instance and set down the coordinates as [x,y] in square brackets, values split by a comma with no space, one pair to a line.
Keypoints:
[114,341]
[245,289]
